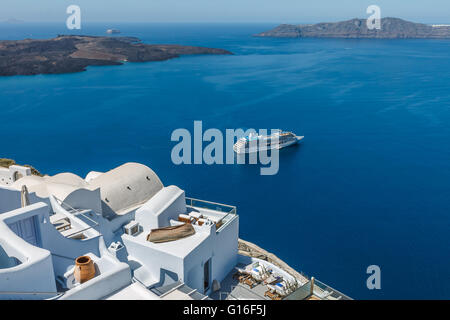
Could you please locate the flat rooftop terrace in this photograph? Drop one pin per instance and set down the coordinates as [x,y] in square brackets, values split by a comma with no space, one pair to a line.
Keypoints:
[179,248]
[221,214]
[232,289]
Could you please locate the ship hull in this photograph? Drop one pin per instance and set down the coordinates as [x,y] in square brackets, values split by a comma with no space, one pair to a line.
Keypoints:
[257,148]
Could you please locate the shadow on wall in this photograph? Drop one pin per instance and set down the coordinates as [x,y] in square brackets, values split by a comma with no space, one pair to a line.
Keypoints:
[166,278]
[7,261]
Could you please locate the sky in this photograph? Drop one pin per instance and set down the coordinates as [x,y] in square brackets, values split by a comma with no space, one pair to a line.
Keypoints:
[240,11]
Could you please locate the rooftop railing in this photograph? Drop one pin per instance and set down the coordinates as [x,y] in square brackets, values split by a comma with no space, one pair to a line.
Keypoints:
[229,211]
[319,289]
[210,205]
[77,212]
[300,293]
[324,291]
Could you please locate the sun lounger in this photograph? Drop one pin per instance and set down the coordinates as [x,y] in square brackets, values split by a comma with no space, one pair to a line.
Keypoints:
[258,273]
[185,218]
[272,295]
[281,288]
[196,215]
[245,278]
[241,277]
[272,279]
[62,224]
[250,281]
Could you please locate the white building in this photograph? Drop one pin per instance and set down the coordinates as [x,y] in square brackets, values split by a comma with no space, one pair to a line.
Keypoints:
[10,175]
[129,224]
[47,222]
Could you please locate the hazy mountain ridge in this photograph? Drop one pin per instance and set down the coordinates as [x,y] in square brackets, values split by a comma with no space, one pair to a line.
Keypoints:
[391,28]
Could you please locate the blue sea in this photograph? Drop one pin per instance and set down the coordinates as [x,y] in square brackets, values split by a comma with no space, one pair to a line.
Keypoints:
[369,185]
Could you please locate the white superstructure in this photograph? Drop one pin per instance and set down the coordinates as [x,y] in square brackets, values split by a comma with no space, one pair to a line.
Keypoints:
[255,143]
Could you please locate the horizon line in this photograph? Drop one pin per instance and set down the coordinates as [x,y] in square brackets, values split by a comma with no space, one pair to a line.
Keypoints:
[14,21]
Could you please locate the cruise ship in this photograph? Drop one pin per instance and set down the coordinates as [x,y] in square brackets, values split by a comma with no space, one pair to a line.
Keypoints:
[255,143]
[123,235]
[112,31]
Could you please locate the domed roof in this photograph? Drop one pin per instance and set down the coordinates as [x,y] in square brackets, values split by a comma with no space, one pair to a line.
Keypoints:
[67,178]
[121,189]
[127,186]
[28,181]
[59,186]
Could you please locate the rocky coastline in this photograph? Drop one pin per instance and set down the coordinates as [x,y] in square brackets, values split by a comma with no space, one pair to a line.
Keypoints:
[68,54]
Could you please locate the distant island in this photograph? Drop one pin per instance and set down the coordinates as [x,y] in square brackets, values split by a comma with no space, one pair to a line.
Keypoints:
[13,21]
[391,28]
[67,54]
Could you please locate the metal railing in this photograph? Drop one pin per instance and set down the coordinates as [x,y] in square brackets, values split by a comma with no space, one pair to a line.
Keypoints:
[230,211]
[300,293]
[327,292]
[76,212]
[318,289]
[209,205]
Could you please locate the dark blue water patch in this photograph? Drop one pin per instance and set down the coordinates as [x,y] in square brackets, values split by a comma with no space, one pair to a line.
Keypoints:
[370,184]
